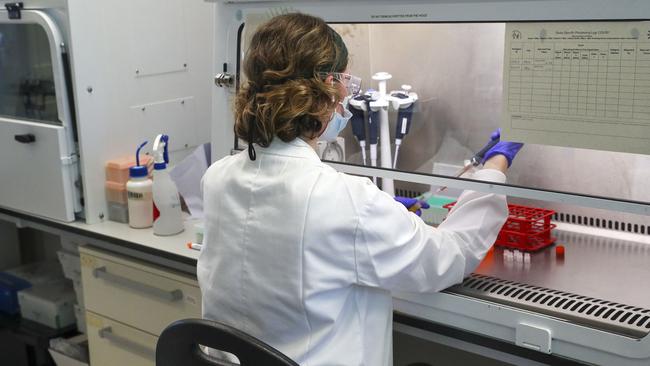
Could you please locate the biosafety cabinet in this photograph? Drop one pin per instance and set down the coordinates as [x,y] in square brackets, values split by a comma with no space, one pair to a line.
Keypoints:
[571,80]
[82,82]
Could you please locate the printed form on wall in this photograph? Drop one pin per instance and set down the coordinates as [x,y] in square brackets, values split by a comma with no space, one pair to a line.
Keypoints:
[584,85]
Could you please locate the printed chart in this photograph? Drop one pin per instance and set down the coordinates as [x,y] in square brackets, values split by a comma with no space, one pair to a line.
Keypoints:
[578,84]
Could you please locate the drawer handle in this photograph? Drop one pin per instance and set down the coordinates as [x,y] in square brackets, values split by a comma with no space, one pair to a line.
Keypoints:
[136,286]
[25,138]
[125,343]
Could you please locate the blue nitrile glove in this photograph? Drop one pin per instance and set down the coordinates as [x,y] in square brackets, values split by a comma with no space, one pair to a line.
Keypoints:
[505,148]
[410,202]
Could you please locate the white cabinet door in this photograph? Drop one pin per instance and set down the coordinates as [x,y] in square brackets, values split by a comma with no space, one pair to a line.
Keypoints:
[38,164]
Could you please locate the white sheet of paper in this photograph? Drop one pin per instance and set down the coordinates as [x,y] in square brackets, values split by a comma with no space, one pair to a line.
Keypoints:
[187,176]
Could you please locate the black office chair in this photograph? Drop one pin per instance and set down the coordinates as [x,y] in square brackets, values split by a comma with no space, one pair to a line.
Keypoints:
[178,345]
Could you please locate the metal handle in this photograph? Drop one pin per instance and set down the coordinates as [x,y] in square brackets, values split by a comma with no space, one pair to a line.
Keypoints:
[224,80]
[136,286]
[26,138]
[125,343]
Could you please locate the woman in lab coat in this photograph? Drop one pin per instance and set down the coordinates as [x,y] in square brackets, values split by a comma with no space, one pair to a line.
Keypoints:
[301,256]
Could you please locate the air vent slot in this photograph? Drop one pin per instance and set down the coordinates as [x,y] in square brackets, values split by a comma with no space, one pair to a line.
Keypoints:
[596,313]
[631,318]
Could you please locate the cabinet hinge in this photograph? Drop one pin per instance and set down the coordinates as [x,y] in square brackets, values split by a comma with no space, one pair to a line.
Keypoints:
[69,160]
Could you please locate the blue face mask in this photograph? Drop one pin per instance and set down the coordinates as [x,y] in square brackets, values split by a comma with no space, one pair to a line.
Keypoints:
[336,124]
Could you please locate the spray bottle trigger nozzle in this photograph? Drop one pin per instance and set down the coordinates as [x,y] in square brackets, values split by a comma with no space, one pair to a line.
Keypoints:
[160,150]
[165,139]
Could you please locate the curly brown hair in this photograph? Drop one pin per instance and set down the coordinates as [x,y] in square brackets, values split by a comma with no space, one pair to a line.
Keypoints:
[285,94]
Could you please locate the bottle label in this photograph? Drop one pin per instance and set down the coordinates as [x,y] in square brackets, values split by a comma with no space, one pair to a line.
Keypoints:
[139,196]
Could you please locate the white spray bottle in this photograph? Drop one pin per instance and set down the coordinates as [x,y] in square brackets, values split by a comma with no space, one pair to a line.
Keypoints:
[167,203]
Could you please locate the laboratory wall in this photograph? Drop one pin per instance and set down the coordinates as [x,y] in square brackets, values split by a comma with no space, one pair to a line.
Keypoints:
[139,69]
[456,69]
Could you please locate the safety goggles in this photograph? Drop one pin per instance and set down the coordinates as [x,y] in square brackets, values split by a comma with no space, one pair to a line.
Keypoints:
[352,83]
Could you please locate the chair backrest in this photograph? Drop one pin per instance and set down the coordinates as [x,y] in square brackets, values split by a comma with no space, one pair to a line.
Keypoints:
[179,345]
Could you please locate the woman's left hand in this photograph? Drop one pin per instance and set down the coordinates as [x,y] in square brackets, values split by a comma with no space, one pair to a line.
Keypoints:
[412,204]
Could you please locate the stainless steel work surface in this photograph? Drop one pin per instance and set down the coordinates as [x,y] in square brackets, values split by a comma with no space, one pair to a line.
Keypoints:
[599,282]
[593,266]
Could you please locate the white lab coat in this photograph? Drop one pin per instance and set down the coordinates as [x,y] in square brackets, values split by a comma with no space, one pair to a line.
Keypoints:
[305,258]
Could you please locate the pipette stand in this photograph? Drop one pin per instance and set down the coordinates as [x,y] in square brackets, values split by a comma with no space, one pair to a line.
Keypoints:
[381,102]
[381,105]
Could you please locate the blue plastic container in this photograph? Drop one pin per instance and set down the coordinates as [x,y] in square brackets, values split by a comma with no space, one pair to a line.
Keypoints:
[9,287]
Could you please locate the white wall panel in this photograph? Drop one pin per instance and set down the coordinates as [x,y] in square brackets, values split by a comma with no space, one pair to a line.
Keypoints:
[129,55]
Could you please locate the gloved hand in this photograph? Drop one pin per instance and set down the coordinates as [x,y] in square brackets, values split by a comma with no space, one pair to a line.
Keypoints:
[508,149]
[412,204]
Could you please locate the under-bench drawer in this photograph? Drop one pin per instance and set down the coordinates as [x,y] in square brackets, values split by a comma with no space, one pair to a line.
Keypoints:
[140,295]
[112,343]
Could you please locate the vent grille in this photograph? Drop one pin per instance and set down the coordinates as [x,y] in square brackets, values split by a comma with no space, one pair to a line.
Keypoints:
[407,193]
[596,313]
[602,223]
